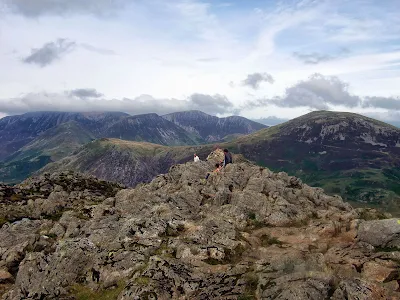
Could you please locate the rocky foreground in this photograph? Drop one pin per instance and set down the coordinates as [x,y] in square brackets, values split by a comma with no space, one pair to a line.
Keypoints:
[245,233]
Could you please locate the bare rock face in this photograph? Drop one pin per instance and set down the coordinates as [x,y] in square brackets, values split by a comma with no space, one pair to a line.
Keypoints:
[244,233]
[47,196]
[358,289]
[216,156]
[381,233]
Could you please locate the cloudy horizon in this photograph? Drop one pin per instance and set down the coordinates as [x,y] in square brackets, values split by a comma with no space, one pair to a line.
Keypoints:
[258,59]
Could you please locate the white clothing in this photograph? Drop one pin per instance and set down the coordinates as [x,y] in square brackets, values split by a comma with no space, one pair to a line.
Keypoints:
[196,159]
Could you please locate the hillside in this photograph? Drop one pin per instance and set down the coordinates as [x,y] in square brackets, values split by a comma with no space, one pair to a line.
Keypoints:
[123,161]
[127,162]
[56,142]
[52,145]
[17,131]
[212,129]
[245,233]
[348,154]
[150,128]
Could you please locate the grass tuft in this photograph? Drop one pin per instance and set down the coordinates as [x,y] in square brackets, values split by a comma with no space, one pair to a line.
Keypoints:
[82,292]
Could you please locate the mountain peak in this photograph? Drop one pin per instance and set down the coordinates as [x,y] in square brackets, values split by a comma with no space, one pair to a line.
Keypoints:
[148,115]
[335,116]
[190,112]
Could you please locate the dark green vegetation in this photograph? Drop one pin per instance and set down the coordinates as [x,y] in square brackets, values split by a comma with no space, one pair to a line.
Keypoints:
[81,292]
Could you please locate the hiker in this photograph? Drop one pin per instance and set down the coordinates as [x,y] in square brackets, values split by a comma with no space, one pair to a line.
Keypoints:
[196,158]
[217,169]
[227,158]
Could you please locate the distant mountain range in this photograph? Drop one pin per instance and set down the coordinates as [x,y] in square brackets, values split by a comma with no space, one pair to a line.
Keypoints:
[272,121]
[346,154]
[32,140]
[210,128]
[18,131]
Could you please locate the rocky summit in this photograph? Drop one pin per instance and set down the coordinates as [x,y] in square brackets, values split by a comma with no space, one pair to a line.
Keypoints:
[244,233]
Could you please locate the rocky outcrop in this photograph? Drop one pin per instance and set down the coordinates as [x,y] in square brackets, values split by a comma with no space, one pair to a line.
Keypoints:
[381,233]
[218,155]
[244,233]
[49,195]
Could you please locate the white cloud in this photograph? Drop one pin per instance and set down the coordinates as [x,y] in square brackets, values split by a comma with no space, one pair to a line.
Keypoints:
[382,102]
[254,80]
[317,92]
[174,49]
[49,52]
[36,8]
[330,93]
[84,100]
[85,93]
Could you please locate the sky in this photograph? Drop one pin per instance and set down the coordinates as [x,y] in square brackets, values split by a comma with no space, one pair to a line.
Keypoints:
[258,59]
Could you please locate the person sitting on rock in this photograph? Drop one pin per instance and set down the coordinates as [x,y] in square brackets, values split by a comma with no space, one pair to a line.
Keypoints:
[227,158]
[196,158]
[217,169]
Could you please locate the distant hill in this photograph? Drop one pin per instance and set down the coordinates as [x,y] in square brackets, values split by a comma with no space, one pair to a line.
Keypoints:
[52,145]
[348,154]
[150,128]
[210,128]
[127,162]
[17,131]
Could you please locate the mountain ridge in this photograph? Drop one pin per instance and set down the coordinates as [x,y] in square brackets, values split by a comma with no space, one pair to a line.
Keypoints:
[17,131]
[211,128]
